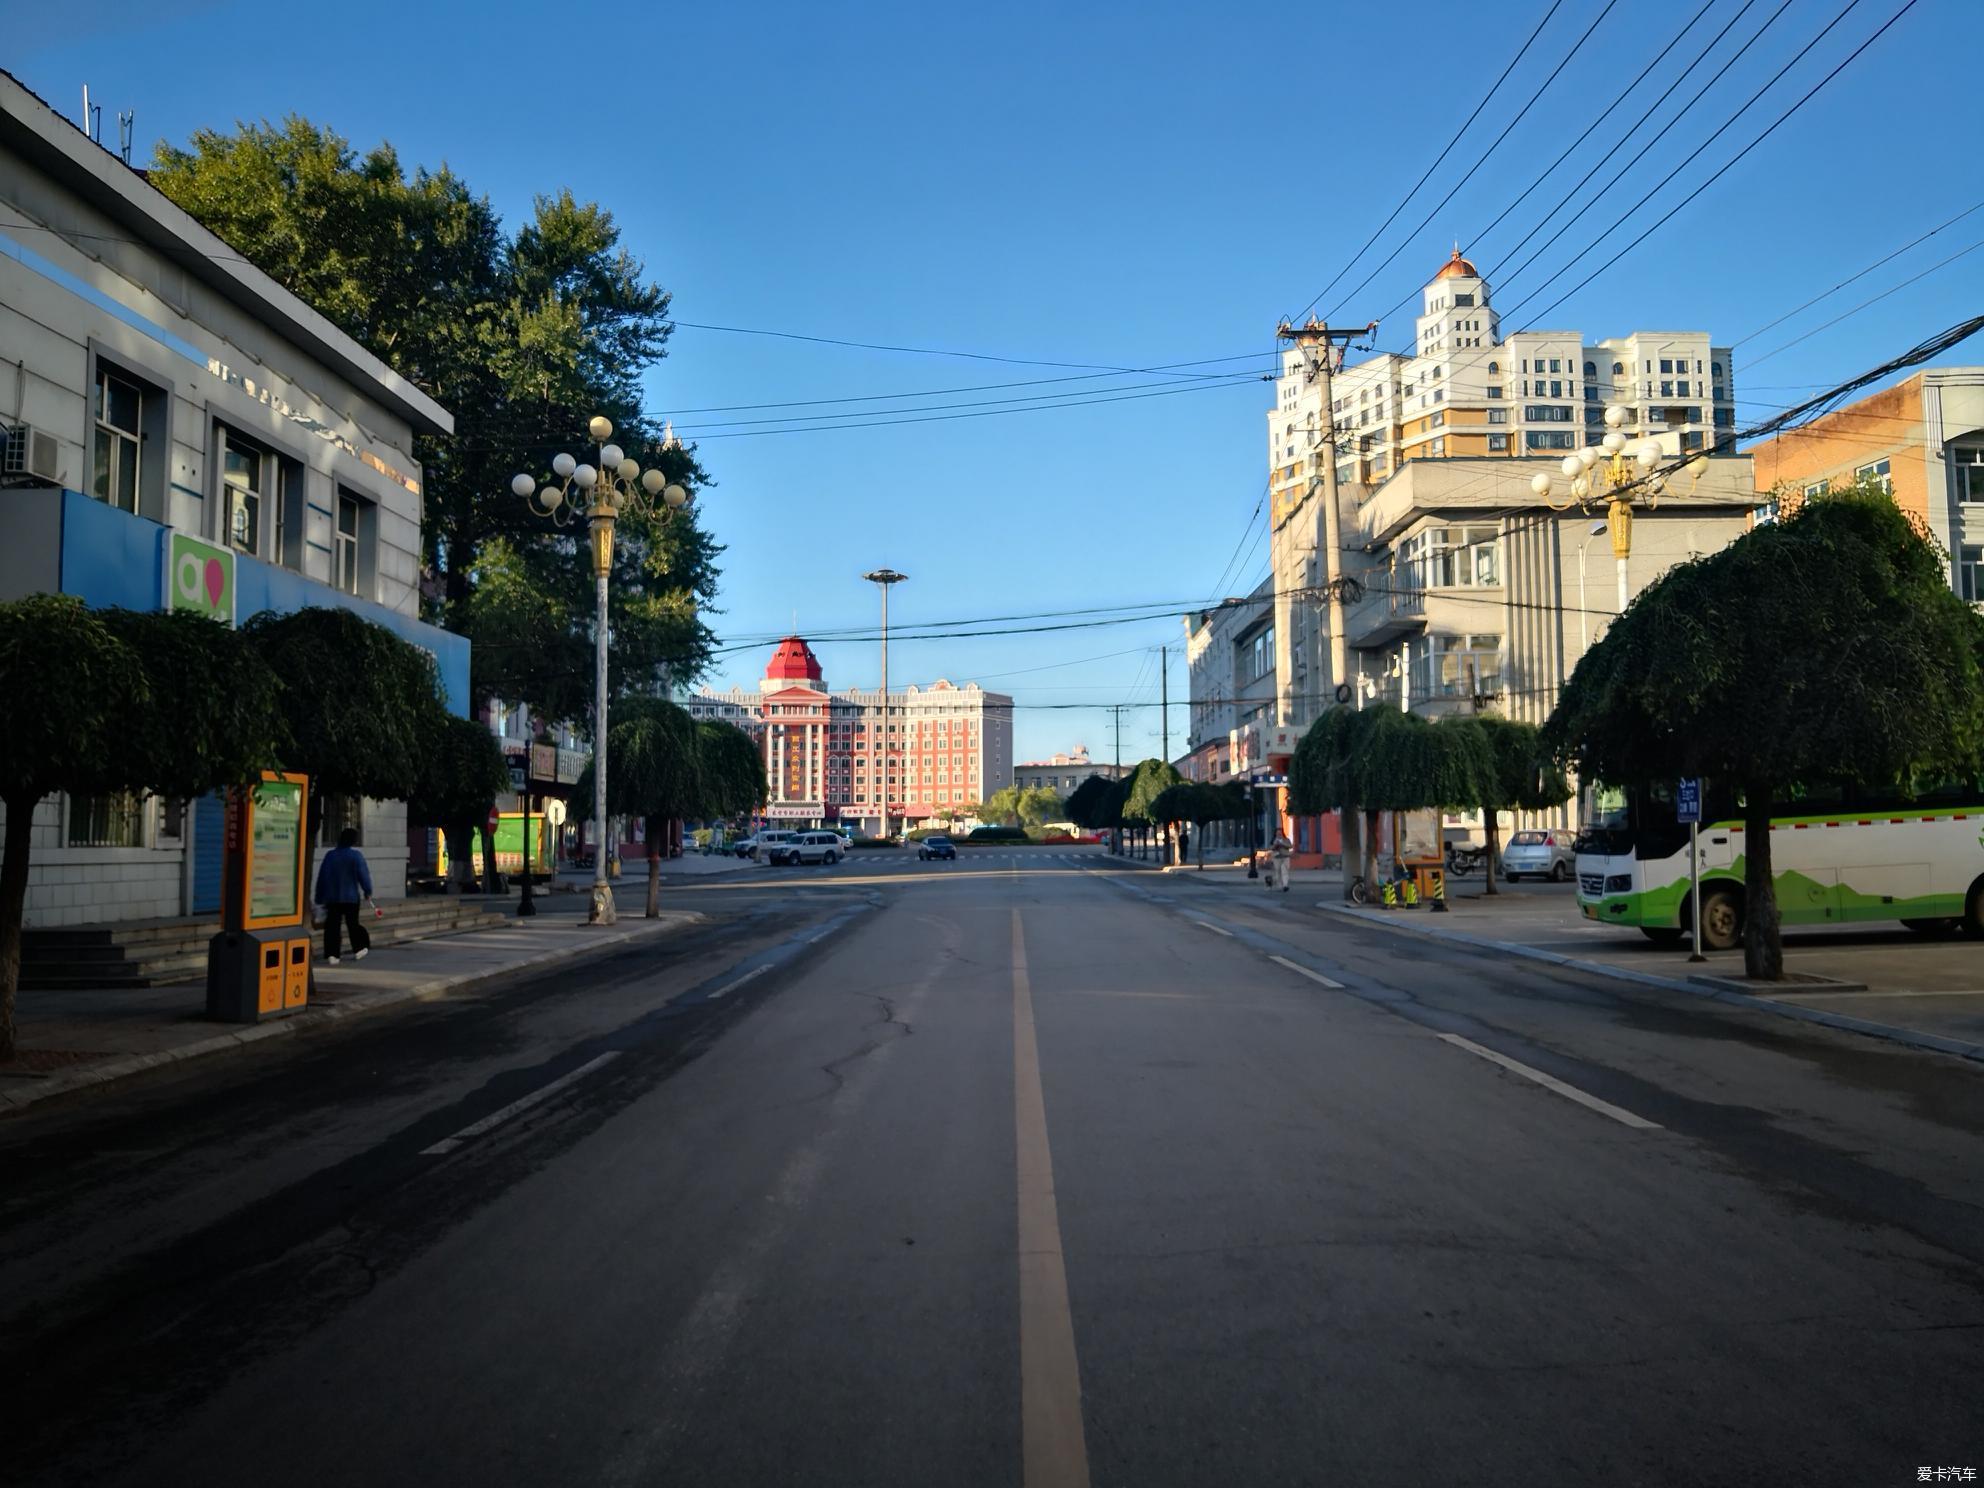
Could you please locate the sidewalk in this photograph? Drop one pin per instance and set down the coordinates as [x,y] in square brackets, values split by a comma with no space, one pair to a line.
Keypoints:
[72,1039]
[1880,980]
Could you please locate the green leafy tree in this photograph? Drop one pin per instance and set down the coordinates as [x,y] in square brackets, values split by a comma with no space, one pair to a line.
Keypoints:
[523,336]
[1824,647]
[1084,801]
[654,771]
[1022,806]
[733,770]
[1146,783]
[1321,778]
[357,703]
[1513,773]
[169,704]
[462,771]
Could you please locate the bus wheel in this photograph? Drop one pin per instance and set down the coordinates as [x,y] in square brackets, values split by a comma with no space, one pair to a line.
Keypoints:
[1973,910]
[1661,934]
[1933,927]
[1722,920]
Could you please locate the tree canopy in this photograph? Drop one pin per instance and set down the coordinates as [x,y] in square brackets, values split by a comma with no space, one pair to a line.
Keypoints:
[523,336]
[1026,806]
[356,701]
[654,771]
[167,704]
[733,769]
[1823,647]
[1085,800]
[462,771]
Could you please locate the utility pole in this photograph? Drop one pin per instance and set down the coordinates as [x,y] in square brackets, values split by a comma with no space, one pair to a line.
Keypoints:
[1322,354]
[1118,711]
[1164,698]
[885,577]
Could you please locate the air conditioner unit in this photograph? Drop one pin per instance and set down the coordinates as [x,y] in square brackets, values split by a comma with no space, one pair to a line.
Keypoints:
[28,451]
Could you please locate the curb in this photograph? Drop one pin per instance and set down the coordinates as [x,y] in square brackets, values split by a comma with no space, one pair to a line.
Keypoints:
[112,1070]
[1934,1043]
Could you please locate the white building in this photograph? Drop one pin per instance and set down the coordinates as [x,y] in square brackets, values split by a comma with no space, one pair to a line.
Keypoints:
[182,432]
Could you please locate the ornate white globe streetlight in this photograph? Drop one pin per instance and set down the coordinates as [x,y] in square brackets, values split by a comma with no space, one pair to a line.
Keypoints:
[616,484]
[1608,475]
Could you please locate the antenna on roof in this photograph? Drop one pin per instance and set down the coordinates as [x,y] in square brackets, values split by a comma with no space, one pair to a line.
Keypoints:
[127,132]
[92,116]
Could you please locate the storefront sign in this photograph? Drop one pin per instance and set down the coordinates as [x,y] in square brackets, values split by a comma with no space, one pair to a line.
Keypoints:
[543,763]
[267,852]
[199,577]
[571,763]
[794,811]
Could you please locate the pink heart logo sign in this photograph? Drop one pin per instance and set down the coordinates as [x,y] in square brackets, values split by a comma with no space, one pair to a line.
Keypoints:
[215,581]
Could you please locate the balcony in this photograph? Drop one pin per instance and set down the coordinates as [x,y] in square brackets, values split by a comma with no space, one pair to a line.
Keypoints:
[1386,613]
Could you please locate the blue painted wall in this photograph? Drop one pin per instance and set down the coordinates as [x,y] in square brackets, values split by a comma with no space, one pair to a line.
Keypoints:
[110,557]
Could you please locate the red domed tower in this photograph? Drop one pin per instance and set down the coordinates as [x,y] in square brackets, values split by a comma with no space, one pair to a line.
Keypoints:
[793,664]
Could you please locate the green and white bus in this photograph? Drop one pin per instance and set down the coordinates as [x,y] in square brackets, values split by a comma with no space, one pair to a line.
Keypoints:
[1840,856]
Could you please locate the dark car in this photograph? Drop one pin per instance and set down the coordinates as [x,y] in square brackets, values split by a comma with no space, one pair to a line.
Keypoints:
[936,847]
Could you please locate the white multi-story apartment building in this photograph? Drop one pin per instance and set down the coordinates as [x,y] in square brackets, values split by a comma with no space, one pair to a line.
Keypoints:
[946,745]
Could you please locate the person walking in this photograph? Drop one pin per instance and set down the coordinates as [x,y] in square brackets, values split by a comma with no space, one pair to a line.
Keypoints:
[1280,851]
[343,882]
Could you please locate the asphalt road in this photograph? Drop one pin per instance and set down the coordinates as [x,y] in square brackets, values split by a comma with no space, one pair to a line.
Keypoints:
[1023,1170]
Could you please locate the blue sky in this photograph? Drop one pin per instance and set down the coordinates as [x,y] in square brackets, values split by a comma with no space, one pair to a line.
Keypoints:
[1124,185]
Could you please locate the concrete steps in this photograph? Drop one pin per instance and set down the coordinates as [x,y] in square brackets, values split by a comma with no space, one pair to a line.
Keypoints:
[152,953]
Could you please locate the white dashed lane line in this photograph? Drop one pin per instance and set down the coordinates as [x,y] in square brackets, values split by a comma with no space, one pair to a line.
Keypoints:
[1314,976]
[1551,1082]
[1216,929]
[517,1107]
[729,987]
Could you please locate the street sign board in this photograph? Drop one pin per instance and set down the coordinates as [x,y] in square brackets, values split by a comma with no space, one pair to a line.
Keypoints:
[1688,801]
[495,818]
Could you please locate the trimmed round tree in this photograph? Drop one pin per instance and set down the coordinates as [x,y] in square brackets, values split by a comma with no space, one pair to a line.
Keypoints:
[733,770]
[656,774]
[1824,646]
[462,771]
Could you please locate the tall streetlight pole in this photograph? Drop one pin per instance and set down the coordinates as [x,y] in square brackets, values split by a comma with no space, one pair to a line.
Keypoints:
[614,485]
[1584,627]
[885,577]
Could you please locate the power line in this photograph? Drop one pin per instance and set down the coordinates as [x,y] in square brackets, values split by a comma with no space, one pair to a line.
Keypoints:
[1651,109]
[1197,387]
[1520,54]
[1696,193]
[1039,400]
[1873,300]
[971,387]
[1480,160]
[1863,273]
[1589,130]
[976,356]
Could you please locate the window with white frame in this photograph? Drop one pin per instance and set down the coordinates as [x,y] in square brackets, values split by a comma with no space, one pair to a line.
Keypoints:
[1970,572]
[1461,665]
[1967,472]
[244,474]
[119,430]
[1879,472]
[115,820]
[344,544]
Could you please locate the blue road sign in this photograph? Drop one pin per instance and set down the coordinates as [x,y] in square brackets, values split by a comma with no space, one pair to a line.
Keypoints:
[1688,801]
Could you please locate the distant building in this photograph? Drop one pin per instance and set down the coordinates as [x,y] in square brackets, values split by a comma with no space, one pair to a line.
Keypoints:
[1063,773]
[947,746]
[1230,667]
[1923,439]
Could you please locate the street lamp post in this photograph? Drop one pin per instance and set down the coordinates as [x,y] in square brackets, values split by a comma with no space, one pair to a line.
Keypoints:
[1584,636]
[616,484]
[885,578]
[1608,475]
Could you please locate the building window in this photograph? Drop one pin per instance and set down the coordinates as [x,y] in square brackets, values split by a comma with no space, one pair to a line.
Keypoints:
[341,812]
[1547,439]
[1970,573]
[1817,488]
[1494,366]
[114,457]
[344,551]
[1877,472]
[1968,467]
[1461,665]
[107,821]
[1667,365]
[1543,413]
[1498,443]
[1591,369]
[242,466]
[1494,390]
[1498,415]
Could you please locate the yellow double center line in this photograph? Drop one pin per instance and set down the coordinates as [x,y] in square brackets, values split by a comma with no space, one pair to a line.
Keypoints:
[1054,1452]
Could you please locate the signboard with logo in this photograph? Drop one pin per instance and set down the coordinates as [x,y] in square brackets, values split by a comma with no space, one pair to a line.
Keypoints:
[543,763]
[571,762]
[199,577]
[794,811]
[266,852]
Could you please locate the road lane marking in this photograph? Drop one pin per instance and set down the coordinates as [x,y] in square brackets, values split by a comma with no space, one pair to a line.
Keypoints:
[729,987]
[517,1107]
[1053,1453]
[1314,976]
[1551,1082]
[1216,929]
